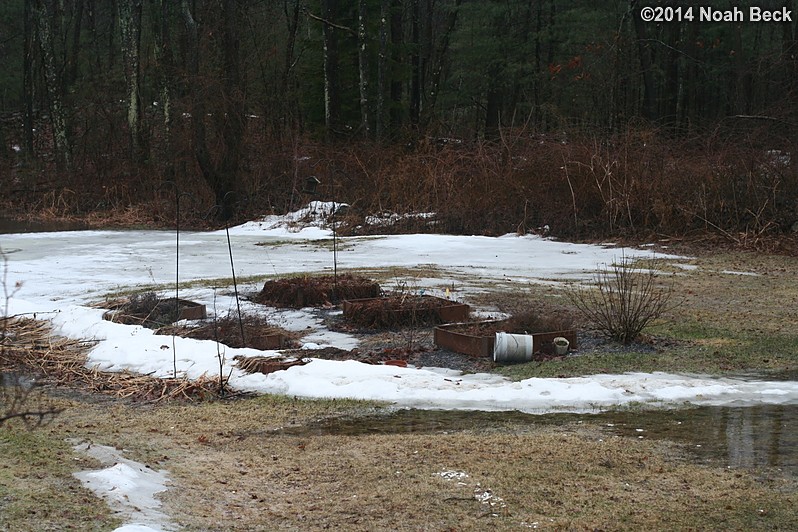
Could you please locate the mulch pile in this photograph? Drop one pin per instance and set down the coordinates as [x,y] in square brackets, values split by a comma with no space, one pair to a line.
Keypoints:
[316,290]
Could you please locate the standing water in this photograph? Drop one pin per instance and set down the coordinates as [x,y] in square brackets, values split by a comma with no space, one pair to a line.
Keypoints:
[22,226]
[747,437]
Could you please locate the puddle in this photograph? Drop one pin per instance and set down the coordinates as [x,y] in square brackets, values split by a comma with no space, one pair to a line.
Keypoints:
[746,437]
[749,437]
[24,226]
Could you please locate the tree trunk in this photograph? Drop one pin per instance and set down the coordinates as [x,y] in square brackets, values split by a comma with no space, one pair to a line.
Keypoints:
[27,78]
[493,106]
[111,45]
[382,67]
[53,82]
[222,178]
[438,62]
[645,62]
[91,16]
[74,53]
[197,101]
[688,105]
[536,93]
[234,97]
[332,98]
[415,65]
[162,17]
[130,40]
[290,116]
[669,110]
[397,42]
[363,67]
[742,79]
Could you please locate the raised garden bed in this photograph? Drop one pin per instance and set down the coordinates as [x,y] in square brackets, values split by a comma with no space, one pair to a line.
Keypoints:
[152,312]
[478,338]
[315,290]
[258,333]
[403,310]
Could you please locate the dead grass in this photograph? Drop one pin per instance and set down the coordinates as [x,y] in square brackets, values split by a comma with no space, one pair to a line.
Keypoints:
[37,489]
[761,303]
[31,347]
[230,469]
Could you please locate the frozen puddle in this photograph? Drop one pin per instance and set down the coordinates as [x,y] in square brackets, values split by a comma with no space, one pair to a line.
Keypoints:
[128,487]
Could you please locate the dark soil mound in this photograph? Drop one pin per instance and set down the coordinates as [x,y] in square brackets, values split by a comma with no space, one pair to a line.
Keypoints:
[316,290]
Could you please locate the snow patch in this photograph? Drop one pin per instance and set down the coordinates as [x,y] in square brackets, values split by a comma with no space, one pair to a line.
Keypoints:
[128,487]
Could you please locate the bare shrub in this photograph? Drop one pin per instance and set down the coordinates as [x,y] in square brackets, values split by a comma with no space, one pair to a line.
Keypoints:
[625,299]
[22,400]
[19,398]
[146,309]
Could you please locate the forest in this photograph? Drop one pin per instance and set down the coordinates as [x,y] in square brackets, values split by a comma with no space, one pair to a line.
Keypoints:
[495,115]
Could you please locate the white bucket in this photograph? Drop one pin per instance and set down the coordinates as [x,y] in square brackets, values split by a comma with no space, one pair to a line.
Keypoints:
[561,345]
[512,347]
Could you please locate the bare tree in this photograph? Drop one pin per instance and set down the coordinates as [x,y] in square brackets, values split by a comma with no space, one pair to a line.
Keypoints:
[363,66]
[162,19]
[221,172]
[332,98]
[53,82]
[27,76]
[130,29]
[382,70]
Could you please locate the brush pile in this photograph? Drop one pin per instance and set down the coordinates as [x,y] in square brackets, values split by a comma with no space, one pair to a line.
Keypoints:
[29,345]
[267,365]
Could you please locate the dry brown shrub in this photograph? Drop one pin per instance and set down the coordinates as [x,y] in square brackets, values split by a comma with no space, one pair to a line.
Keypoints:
[146,309]
[625,299]
[637,182]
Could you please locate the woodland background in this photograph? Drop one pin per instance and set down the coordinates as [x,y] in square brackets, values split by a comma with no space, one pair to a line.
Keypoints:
[496,115]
